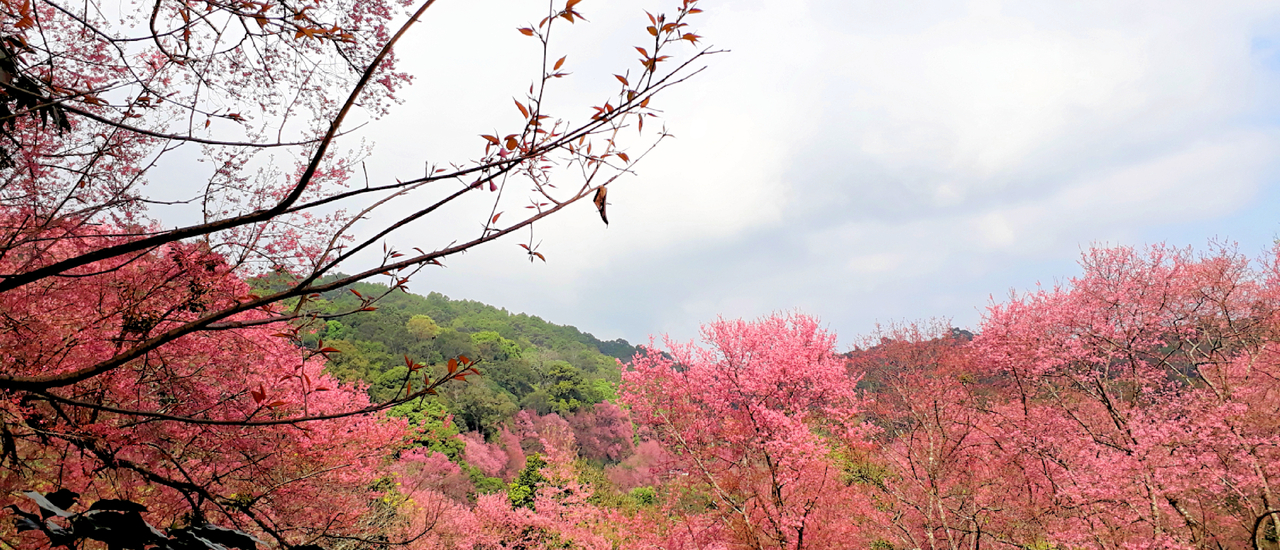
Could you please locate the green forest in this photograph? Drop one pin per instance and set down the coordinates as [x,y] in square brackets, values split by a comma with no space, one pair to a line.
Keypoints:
[526,362]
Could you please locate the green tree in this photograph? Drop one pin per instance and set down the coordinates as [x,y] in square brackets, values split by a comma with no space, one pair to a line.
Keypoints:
[524,489]
[335,330]
[567,387]
[357,360]
[422,327]
[478,407]
[451,343]
[515,376]
[431,427]
[539,401]
[492,346]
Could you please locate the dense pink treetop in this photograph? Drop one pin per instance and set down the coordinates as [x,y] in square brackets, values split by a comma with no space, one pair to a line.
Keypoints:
[603,432]
[752,419]
[489,458]
[647,466]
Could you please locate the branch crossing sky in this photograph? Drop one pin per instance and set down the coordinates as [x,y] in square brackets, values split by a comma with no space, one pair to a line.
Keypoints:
[867,161]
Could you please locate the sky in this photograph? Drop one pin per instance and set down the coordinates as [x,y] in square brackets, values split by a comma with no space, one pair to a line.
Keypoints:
[865,162]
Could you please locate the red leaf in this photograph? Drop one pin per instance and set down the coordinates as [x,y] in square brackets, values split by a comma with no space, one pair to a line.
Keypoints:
[523,111]
[453,365]
[622,79]
[624,157]
[275,404]
[464,360]
[495,218]
[526,31]
[559,63]
[356,292]
[330,350]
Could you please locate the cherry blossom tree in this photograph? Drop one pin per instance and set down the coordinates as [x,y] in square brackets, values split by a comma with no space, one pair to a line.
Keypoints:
[756,421]
[139,364]
[603,432]
[1129,407]
[231,460]
[1146,389]
[938,467]
[645,467]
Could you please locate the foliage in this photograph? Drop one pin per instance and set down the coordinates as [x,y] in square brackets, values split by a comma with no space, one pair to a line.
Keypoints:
[564,373]
[644,496]
[228,372]
[421,327]
[524,490]
[431,426]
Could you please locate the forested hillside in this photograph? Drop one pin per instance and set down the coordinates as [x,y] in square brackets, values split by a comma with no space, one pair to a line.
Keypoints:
[526,362]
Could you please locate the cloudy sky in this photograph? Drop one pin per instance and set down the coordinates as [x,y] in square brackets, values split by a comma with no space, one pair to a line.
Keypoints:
[866,161]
